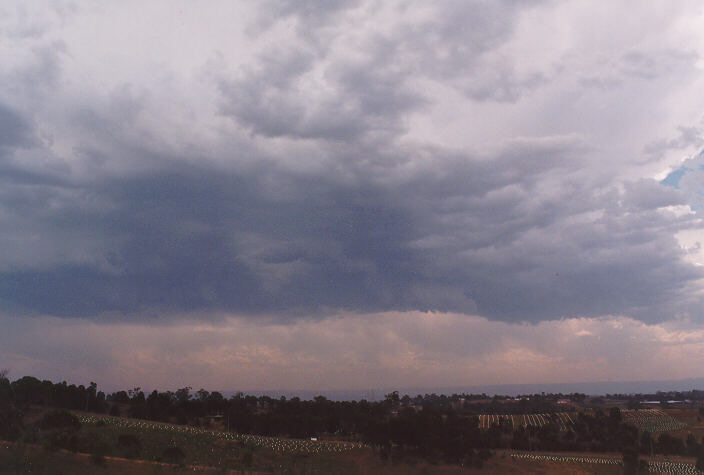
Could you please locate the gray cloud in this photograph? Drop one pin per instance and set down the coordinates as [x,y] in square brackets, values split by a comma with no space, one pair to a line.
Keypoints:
[359,97]
[14,129]
[474,236]
[310,194]
[309,11]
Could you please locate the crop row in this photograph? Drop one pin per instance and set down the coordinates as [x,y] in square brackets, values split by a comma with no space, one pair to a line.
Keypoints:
[652,420]
[272,443]
[675,468]
[662,466]
[567,458]
[562,419]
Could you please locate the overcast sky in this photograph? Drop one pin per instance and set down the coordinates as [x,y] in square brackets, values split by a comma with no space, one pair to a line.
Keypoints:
[347,194]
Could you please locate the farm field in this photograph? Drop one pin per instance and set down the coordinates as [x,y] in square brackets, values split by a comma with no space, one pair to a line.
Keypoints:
[563,419]
[652,420]
[222,450]
[16,458]
[32,458]
[190,433]
[212,451]
[691,422]
[604,463]
[209,451]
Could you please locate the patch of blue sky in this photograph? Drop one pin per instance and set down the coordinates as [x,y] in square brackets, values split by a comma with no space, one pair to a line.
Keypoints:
[674,178]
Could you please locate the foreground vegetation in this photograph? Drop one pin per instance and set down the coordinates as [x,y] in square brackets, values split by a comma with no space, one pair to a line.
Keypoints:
[202,429]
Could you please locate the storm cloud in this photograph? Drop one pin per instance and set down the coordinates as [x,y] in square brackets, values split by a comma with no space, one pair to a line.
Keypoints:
[309,160]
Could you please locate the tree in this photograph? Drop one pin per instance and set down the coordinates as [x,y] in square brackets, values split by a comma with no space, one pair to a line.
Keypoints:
[5,387]
[631,461]
[10,420]
[670,445]
[28,390]
[60,419]
[693,447]
[615,414]
[392,398]
[202,395]
[646,443]
[183,395]
[247,459]
[700,461]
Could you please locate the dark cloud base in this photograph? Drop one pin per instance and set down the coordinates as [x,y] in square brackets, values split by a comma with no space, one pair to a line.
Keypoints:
[193,239]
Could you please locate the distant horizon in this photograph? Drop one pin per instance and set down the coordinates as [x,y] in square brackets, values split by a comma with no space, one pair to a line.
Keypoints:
[508,389]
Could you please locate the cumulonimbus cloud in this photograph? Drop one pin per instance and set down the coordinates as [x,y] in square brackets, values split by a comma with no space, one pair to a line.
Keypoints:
[313,177]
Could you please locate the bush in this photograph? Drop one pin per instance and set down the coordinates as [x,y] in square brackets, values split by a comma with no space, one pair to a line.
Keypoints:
[173,455]
[130,445]
[10,423]
[128,441]
[15,459]
[700,461]
[73,443]
[97,459]
[248,459]
[60,419]
[57,439]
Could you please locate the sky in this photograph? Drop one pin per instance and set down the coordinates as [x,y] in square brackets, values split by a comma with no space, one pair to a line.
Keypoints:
[351,194]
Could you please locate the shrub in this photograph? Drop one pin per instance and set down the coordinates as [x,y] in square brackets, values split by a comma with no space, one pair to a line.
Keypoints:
[248,459]
[15,459]
[128,441]
[10,423]
[60,419]
[173,455]
[700,461]
[130,445]
[57,439]
[97,449]
[97,459]
[73,443]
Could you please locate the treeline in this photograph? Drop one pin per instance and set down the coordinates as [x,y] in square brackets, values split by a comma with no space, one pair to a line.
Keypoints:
[29,390]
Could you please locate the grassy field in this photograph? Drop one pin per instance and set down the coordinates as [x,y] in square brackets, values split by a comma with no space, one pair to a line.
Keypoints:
[22,458]
[222,450]
[28,458]
[18,458]
[98,449]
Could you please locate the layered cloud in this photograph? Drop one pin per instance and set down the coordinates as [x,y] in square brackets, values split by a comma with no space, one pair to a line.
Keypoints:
[402,350]
[295,160]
